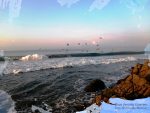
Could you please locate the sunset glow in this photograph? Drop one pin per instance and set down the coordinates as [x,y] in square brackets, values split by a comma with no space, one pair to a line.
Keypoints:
[46,24]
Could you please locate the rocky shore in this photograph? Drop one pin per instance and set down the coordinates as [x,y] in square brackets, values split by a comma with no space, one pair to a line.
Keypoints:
[35,89]
[134,86]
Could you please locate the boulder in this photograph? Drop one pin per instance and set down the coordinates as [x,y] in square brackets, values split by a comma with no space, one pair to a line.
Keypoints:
[138,81]
[134,86]
[136,69]
[144,69]
[95,85]
[147,76]
[2,58]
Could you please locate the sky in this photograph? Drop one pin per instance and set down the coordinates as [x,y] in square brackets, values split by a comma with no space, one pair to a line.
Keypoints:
[51,24]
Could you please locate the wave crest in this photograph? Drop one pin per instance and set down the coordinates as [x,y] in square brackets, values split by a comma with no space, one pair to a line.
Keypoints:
[19,66]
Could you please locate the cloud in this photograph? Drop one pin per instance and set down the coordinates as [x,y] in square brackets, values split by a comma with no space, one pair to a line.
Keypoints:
[99,4]
[14,7]
[68,3]
[136,7]
[3,4]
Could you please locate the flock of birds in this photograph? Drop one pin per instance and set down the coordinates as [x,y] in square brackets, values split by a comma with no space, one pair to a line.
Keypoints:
[96,44]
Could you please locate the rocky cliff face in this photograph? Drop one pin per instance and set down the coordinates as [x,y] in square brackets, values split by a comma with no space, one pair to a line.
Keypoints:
[134,86]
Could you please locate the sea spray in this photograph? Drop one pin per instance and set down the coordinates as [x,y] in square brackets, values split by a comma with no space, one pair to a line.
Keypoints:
[33,57]
[147,52]
[4,63]
[60,63]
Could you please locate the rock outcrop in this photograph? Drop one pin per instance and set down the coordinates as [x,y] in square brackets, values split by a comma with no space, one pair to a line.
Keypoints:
[134,86]
[95,85]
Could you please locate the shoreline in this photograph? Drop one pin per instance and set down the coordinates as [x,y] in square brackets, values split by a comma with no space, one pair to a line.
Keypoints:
[134,86]
[131,89]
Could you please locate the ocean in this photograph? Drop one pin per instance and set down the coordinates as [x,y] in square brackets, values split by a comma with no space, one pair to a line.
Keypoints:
[59,83]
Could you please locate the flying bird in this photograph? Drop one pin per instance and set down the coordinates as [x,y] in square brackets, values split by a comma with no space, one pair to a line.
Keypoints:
[68,44]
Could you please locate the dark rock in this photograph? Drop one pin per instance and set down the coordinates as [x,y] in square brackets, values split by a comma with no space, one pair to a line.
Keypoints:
[2,59]
[79,107]
[37,111]
[95,85]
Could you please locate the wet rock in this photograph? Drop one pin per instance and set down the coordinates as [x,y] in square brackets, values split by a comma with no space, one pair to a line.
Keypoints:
[22,105]
[80,107]
[134,86]
[97,99]
[145,68]
[2,59]
[36,111]
[136,69]
[107,93]
[147,77]
[95,85]
[138,81]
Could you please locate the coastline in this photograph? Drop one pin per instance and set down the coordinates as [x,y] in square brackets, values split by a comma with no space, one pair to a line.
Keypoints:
[40,83]
[134,88]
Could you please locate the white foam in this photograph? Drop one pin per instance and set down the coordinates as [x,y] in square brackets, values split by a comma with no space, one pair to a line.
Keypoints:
[34,108]
[7,105]
[147,52]
[32,65]
[34,57]
[16,71]
[4,63]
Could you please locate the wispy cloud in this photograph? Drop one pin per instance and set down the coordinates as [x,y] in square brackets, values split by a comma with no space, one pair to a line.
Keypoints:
[67,3]
[4,3]
[14,7]
[136,7]
[99,4]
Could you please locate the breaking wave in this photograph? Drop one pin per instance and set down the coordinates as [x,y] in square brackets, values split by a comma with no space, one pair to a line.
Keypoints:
[33,57]
[16,67]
